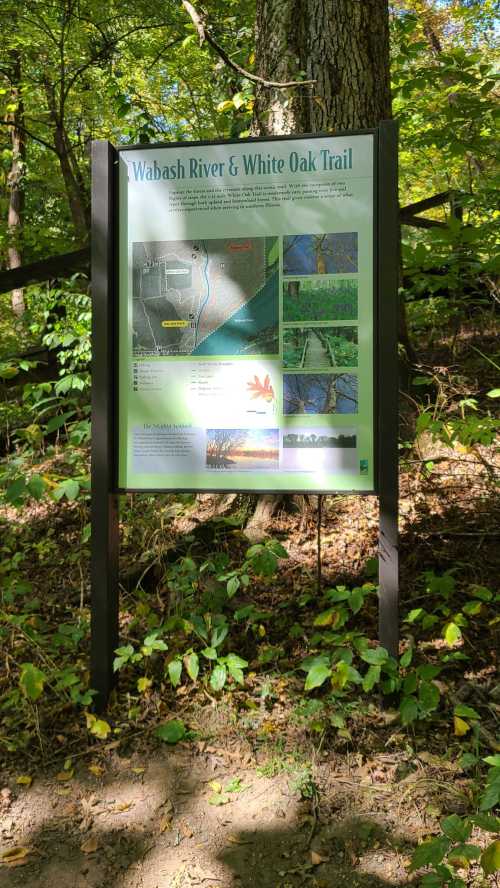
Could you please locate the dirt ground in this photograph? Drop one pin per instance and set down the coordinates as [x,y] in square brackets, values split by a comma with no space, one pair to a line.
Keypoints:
[147,822]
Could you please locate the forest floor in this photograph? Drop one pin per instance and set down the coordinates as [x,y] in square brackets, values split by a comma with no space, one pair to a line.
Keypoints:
[266,789]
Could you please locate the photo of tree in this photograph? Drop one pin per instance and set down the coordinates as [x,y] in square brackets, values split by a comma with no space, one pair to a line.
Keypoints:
[242,449]
[320,300]
[317,348]
[319,449]
[305,438]
[311,393]
[320,253]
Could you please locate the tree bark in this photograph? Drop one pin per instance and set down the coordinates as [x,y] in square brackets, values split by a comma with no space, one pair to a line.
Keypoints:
[73,180]
[342,45]
[15,180]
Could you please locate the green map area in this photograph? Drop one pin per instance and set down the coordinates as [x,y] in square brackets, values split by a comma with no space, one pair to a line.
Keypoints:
[201,297]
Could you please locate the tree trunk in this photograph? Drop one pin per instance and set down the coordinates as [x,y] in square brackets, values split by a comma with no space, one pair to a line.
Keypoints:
[343,46]
[77,198]
[14,181]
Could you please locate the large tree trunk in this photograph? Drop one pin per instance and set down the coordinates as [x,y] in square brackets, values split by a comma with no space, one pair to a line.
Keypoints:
[343,46]
[15,183]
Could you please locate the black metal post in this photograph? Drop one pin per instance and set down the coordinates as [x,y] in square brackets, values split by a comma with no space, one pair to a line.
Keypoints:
[104,502]
[388,484]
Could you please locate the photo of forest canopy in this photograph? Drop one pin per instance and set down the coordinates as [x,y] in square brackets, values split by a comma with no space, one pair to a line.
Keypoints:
[242,449]
[320,253]
[310,393]
[320,300]
[317,348]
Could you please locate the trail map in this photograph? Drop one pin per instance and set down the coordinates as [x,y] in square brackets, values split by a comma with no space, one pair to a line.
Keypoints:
[200,297]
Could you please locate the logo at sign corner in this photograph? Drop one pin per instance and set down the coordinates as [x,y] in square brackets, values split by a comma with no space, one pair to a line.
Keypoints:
[363,467]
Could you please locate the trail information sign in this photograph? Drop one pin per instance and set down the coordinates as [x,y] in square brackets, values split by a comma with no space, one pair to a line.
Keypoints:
[246,306]
[244,333]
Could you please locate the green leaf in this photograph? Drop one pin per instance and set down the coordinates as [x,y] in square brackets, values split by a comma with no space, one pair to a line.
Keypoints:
[452,633]
[236,661]
[16,490]
[376,656]
[124,655]
[174,672]
[100,728]
[36,486]
[238,100]
[455,828]
[218,798]
[481,592]
[317,674]
[462,853]
[356,600]
[493,760]
[264,562]
[488,822]
[192,666]
[218,635]
[32,681]
[172,731]
[277,549]
[371,678]
[57,421]
[428,696]
[408,710]
[326,618]
[490,858]
[210,653]
[490,797]
[340,593]
[232,586]
[218,677]
[430,853]
[464,711]
[69,488]
[237,674]
[406,658]
[493,393]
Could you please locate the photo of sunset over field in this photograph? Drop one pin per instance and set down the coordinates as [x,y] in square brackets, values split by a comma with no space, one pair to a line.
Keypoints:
[242,449]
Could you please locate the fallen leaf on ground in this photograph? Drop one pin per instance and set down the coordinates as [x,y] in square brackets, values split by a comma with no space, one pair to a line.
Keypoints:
[96,770]
[62,776]
[24,780]
[15,856]
[123,806]
[138,770]
[316,858]
[215,785]
[90,845]
[165,823]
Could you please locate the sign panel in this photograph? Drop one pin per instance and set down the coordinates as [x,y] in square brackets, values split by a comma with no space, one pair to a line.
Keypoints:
[246,315]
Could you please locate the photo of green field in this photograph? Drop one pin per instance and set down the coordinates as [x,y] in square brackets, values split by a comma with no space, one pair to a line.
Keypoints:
[320,300]
[319,348]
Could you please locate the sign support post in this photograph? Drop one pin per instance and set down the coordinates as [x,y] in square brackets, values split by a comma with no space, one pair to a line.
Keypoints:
[104,501]
[388,271]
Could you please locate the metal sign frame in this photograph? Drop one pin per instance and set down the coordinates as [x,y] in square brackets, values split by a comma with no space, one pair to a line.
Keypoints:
[105,490]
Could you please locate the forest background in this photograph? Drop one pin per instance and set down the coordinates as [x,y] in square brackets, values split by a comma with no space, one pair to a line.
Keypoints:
[226,646]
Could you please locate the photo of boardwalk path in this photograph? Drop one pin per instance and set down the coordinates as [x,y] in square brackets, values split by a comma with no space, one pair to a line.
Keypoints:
[317,353]
[320,348]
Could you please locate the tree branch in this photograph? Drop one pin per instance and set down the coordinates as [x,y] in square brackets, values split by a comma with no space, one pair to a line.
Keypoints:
[28,133]
[205,34]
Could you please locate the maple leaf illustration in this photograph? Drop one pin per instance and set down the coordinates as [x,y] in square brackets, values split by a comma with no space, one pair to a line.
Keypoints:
[261,389]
